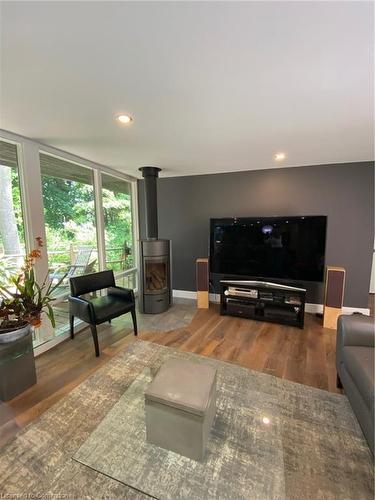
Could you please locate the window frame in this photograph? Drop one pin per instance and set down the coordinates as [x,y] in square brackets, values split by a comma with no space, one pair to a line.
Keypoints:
[99,214]
[99,210]
[91,170]
[22,187]
[135,230]
[30,180]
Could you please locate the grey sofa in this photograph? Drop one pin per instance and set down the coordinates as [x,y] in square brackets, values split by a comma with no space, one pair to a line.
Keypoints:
[355,368]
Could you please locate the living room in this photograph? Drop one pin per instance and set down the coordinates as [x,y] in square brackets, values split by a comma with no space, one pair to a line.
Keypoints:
[187,268]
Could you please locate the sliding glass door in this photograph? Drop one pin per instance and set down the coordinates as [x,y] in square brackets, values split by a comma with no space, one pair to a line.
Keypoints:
[70,222]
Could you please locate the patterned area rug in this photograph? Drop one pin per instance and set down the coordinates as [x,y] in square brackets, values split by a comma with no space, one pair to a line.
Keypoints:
[305,431]
[311,448]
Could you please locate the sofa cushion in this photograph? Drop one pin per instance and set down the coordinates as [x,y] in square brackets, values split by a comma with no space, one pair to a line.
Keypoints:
[109,306]
[359,362]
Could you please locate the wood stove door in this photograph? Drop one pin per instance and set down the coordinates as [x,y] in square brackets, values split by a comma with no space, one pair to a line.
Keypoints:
[155,274]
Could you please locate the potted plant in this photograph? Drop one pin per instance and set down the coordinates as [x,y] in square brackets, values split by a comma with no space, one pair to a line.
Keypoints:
[23,300]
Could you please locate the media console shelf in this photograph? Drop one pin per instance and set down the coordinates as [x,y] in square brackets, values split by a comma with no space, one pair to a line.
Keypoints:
[263,301]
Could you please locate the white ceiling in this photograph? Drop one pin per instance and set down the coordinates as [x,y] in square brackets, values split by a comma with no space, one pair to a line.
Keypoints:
[213,87]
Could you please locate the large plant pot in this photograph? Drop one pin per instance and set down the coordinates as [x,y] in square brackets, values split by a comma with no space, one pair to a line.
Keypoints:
[17,367]
[10,335]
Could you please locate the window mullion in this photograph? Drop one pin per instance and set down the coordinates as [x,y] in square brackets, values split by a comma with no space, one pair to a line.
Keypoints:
[99,215]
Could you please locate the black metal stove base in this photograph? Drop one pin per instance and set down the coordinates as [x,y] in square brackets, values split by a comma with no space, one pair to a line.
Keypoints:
[155,304]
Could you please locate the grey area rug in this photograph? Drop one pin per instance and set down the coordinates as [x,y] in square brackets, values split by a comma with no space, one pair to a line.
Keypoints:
[312,449]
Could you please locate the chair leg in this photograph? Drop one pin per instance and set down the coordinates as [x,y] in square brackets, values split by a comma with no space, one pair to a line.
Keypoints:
[71,320]
[95,337]
[338,382]
[134,321]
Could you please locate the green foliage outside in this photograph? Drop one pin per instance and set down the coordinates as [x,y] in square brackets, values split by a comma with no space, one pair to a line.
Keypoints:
[70,219]
[16,194]
[118,228]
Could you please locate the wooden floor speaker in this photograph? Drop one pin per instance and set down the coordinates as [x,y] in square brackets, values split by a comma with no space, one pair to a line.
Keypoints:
[333,296]
[202,283]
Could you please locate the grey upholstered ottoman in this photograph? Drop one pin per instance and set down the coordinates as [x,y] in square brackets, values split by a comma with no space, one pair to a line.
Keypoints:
[180,407]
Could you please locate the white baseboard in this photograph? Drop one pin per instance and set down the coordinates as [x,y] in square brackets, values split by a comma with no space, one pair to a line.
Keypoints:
[309,308]
[318,309]
[184,294]
[351,310]
[314,308]
[187,294]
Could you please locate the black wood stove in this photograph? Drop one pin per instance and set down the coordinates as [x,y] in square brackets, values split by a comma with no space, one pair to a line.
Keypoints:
[155,291]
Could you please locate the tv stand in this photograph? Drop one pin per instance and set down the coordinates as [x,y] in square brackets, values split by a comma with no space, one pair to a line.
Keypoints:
[264,301]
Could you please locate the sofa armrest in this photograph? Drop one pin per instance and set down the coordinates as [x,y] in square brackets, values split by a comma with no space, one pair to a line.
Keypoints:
[125,293]
[82,309]
[355,330]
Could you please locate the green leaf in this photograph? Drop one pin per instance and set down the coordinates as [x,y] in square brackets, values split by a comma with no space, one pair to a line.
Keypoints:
[38,294]
[51,315]
[54,287]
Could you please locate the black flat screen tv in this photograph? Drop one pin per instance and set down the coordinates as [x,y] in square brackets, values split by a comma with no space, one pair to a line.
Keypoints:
[284,248]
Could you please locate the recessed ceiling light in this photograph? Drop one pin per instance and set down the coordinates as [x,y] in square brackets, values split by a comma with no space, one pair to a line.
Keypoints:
[280,156]
[124,119]
[266,420]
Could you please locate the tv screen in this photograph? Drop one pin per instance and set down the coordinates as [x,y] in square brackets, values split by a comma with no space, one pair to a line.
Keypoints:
[287,248]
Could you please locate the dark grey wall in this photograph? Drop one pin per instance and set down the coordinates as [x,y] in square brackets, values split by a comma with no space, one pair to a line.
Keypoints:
[343,192]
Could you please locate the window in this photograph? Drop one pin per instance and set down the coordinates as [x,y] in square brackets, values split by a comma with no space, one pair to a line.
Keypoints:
[12,237]
[87,216]
[118,229]
[69,215]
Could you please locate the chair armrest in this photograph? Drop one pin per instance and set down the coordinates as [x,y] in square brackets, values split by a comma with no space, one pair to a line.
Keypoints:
[126,293]
[82,308]
[355,330]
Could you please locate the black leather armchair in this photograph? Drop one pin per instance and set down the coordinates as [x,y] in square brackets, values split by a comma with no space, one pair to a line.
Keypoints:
[97,310]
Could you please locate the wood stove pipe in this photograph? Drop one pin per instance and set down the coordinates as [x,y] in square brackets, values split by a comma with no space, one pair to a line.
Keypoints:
[150,175]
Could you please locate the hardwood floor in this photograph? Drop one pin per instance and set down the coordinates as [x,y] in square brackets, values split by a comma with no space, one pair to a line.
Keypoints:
[59,370]
[306,356]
